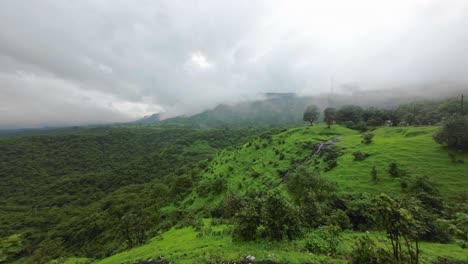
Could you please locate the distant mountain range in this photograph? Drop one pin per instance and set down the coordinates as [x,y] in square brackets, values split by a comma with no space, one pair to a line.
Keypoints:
[283,109]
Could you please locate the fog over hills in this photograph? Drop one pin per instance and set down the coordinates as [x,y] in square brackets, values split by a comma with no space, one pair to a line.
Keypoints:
[91,62]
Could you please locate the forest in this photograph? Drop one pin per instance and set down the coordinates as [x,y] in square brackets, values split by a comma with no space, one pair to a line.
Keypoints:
[349,185]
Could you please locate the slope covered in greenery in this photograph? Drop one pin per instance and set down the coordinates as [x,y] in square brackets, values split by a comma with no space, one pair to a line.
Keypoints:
[213,243]
[264,163]
[67,193]
[412,149]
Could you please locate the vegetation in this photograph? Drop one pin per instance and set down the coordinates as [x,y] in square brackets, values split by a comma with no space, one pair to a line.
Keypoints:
[189,195]
[311,114]
[454,132]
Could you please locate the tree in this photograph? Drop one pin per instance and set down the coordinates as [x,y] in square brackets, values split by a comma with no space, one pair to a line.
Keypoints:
[351,113]
[402,228]
[311,114]
[247,221]
[280,218]
[329,115]
[454,132]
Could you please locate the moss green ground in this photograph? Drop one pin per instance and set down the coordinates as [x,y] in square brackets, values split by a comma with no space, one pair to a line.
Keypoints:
[259,164]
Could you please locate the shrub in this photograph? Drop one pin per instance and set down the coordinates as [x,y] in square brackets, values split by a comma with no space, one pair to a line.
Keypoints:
[360,156]
[393,169]
[325,240]
[340,219]
[366,251]
[367,138]
[373,174]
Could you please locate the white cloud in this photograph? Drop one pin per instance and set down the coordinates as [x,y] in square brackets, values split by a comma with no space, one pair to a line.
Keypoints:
[200,60]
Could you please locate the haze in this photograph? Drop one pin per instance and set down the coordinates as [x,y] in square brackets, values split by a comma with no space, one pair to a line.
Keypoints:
[87,62]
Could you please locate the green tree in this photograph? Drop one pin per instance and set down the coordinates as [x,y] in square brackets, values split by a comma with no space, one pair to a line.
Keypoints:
[48,250]
[329,115]
[280,218]
[350,113]
[10,247]
[247,221]
[311,114]
[402,228]
[454,132]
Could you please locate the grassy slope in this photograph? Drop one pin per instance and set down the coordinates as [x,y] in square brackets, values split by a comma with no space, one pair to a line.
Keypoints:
[258,164]
[184,246]
[412,148]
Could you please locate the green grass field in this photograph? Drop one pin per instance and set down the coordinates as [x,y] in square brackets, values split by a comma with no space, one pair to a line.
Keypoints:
[412,148]
[185,245]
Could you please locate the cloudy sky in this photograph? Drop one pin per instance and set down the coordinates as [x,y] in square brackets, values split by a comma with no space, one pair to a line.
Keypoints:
[82,62]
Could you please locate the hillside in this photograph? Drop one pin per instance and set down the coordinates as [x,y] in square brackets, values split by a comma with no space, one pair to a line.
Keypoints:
[71,188]
[264,163]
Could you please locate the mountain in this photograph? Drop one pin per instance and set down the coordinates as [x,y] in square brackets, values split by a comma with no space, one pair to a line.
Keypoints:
[151,119]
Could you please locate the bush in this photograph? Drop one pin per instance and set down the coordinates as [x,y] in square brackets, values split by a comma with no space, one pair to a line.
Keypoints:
[360,156]
[325,240]
[366,251]
[340,219]
[393,169]
[367,138]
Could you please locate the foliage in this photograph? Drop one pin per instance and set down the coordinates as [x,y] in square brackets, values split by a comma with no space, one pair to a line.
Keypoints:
[393,169]
[330,115]
[247,221]
[367,138]
[402,228]
[271,213]
[77,185]
[366,251]
[374,175]
[360,156]
[454,132]
[311,114]
[325,240]
[10,247]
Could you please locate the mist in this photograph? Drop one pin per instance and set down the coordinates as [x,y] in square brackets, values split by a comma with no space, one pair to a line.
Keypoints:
[88,62]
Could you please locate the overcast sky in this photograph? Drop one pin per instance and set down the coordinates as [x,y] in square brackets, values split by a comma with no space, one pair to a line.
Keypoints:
[81,62]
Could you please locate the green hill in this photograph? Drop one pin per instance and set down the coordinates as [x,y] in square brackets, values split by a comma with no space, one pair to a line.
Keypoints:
[263,163]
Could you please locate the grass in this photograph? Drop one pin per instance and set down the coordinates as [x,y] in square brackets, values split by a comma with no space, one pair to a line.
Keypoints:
[186,246]
[415,152]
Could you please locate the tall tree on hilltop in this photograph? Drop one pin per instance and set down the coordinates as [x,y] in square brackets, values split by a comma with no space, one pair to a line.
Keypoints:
[311,114]
[329,115]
